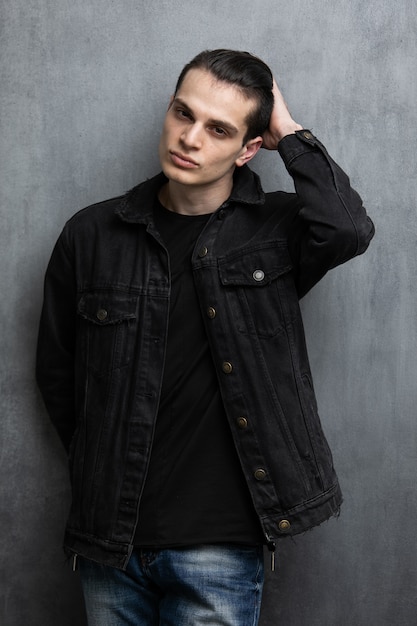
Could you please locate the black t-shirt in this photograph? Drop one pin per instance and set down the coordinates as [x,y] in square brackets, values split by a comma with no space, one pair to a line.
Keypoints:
[195,491]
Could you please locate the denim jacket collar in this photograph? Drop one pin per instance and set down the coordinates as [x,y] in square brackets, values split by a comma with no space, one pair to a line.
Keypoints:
[137,205]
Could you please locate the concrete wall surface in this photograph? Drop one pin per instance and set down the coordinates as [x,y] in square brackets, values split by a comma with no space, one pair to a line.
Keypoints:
[83,90]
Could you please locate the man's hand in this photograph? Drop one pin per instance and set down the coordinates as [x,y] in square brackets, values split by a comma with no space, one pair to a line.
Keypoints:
[281,122]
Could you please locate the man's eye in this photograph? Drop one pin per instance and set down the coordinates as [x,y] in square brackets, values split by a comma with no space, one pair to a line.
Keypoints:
[218,130]
[183,114]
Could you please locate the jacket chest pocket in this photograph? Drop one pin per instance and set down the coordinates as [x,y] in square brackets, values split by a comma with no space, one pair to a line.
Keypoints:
[258,282]
[107,324]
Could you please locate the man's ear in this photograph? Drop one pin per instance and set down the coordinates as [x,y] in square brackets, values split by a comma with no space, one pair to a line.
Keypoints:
[248,151]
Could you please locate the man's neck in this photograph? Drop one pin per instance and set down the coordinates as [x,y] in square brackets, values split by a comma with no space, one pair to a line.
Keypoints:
[189,200]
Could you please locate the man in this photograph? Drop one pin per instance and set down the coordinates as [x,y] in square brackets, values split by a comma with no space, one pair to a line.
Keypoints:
[172,357]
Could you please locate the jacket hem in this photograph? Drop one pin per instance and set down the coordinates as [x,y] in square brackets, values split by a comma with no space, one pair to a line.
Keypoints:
[103,552]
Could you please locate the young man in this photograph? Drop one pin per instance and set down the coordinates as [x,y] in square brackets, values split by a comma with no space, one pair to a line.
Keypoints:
[172,358]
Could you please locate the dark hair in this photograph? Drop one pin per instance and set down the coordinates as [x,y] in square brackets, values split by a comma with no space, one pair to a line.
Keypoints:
[245,71]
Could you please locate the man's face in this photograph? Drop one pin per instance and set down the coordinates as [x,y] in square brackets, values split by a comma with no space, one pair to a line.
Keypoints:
[203,132]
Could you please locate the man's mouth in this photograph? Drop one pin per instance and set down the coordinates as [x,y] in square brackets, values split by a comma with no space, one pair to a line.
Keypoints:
[182,160]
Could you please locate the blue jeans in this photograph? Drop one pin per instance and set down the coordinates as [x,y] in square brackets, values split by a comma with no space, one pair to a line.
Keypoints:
[214,585]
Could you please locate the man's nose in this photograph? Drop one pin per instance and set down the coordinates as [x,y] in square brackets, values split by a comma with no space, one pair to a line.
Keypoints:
[192,136]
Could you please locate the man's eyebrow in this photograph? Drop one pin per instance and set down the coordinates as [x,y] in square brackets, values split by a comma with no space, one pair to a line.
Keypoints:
[227,125]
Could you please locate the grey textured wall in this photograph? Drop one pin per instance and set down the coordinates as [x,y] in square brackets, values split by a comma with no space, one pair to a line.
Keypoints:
[84,85]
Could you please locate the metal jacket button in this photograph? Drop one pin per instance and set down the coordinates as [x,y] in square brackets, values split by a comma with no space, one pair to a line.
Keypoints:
[258,275]
[101,314]
[242,422]
[284,525]
[211,312]
[260,474]
[203,252]
[227,367]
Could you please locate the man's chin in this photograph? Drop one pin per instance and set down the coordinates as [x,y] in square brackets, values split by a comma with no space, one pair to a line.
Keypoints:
[177,175]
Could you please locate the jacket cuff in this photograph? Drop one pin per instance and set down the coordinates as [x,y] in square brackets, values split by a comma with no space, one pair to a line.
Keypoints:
[300,142]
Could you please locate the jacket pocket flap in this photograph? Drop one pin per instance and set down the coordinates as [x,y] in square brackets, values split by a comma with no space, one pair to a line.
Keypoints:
[255,266]
[107,307]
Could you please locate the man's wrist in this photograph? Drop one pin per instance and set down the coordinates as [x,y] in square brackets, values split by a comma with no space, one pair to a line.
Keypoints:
[288,129]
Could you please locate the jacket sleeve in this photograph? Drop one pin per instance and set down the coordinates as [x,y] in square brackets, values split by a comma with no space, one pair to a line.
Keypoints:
[56,343]
[332,225]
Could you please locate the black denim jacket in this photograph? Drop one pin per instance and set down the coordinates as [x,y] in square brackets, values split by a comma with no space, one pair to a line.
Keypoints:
[103,331]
